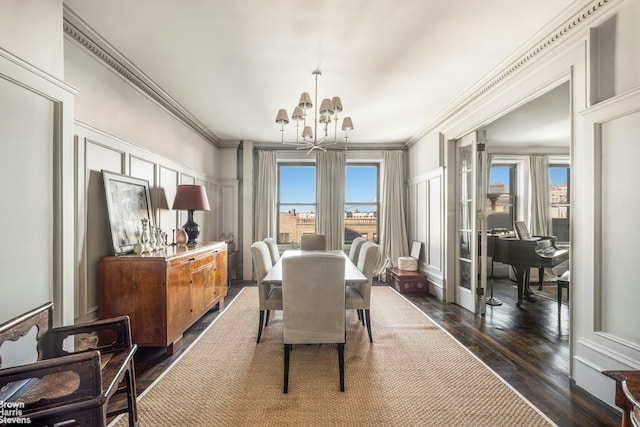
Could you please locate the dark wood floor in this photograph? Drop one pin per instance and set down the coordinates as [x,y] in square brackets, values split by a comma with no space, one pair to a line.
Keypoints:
[527,346]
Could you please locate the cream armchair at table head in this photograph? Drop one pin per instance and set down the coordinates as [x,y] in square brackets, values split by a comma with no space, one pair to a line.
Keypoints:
[313,242]
[313,304]
[358,296]
[270,295]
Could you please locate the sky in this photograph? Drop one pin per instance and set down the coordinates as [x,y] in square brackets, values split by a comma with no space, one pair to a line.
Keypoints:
[297,184]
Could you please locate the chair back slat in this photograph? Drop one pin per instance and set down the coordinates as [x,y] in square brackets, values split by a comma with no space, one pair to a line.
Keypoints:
[19,326]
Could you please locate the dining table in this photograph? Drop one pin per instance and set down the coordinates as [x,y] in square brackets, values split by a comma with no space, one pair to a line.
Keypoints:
[352,274]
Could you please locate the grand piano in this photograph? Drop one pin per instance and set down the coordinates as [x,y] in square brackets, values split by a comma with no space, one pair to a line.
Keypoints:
[525,253]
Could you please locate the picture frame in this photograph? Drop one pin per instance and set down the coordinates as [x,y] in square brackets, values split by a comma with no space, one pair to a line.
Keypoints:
[128,202]
[416,247]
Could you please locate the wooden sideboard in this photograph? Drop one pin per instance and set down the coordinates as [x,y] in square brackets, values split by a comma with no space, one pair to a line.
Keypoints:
[163,292]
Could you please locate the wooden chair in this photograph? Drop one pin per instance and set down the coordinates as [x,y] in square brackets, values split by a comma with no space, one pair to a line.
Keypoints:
[313,242]
[627,395]
[313,305]
[270,296]
[64,386]
[358,296]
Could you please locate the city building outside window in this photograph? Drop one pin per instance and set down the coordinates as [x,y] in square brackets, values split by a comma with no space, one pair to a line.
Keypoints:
[501,198]
[296,201]
[361,202]
[560,198]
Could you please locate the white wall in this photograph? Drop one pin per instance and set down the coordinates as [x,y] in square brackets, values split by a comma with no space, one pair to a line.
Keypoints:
[26,127]
[109,103]
[37,264]
[31,30]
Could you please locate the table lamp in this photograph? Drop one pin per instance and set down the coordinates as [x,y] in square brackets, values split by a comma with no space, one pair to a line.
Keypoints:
[191,198]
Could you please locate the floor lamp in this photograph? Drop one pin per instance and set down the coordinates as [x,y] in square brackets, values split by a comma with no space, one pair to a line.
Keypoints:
[491,300]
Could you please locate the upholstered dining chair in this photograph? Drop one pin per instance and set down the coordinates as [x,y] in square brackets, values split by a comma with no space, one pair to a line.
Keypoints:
[273,249]
[313,242]
[270,296]
[355,248]
[358,296]
[313,304]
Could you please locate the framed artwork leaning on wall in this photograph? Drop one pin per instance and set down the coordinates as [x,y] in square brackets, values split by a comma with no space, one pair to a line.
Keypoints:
[128,203]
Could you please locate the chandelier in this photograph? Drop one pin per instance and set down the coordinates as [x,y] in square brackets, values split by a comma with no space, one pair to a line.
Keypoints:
[324,116]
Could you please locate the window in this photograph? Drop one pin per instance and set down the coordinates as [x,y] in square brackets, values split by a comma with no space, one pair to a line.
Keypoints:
[296,201]
[560,197]
[501,200]
[361,202]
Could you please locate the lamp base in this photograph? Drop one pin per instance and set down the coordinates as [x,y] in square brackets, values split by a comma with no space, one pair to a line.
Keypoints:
[192,229]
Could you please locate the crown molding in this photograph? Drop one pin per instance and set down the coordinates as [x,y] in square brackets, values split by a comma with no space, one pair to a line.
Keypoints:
[570,26]
[86,37]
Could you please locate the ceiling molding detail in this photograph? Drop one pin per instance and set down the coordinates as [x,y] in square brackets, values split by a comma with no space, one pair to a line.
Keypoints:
[571,25]
[89,39]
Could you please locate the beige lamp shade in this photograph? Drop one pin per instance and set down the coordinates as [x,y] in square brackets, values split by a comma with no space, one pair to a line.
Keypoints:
[337,104]
[326,107]
[307,132]
[282,118]
[298,114]
[305,101]
[347,124]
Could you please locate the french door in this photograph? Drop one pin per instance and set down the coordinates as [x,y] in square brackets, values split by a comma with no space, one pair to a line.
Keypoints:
[468,292]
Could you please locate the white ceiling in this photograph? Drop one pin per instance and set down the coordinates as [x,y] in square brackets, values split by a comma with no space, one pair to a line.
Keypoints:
[395,64]
[541,122]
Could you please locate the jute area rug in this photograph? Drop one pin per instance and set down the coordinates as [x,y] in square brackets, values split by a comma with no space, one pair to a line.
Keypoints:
[414,373]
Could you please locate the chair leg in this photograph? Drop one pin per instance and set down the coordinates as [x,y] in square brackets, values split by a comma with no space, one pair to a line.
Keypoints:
[341,364]
[287,350]
[368,319]
[266,322]
[130,381]
[260,326]
[361,316]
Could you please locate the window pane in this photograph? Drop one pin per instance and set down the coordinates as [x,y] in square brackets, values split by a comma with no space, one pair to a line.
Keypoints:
[559,176]
[500,203]
[298,184]
[361,184]
[361,203]
[297,202]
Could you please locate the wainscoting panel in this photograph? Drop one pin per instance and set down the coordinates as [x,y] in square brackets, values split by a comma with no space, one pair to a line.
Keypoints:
[166,192]
[95,236]
[228,205]
[426,224]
